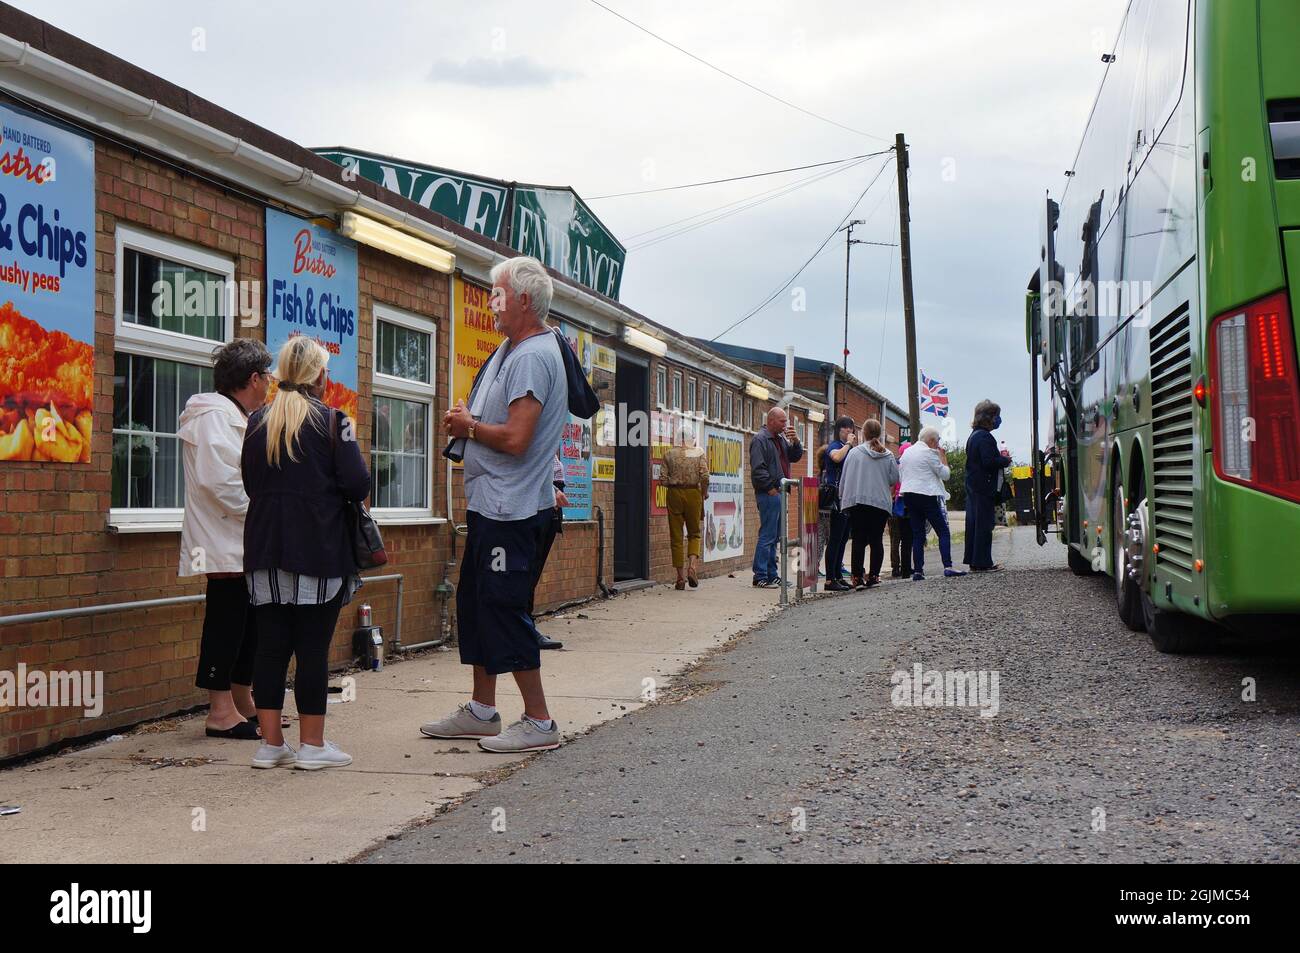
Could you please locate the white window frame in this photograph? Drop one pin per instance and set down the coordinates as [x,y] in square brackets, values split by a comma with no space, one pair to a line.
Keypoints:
[716,406]
[157,342]
[142,341]
[727,404]
[749,415]
[692,390]
[661,386]
[386,385]
[677,390]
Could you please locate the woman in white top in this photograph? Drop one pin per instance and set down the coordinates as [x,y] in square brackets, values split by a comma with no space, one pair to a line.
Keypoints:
[211,435]
[922,472]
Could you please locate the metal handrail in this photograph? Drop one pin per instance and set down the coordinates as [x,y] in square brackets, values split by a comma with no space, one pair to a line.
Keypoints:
[106,607]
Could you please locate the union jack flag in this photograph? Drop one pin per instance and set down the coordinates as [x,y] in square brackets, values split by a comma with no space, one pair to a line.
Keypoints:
[934,396]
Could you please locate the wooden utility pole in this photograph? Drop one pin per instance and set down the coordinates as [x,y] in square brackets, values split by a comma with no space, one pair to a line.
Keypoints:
[909,314]
[849,242]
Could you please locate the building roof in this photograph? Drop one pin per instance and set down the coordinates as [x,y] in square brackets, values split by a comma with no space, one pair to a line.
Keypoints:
[810,365]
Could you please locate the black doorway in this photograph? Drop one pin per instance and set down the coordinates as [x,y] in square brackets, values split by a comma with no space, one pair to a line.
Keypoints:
[632,471]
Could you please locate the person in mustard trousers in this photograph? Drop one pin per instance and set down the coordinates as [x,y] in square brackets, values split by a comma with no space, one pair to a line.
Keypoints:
[686,475]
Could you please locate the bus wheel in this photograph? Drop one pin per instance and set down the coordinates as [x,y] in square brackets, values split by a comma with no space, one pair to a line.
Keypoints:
[1176,633]
[1080,564]
[1128,548]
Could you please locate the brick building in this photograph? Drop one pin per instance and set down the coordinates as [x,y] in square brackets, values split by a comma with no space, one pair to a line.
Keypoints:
[825,382]
[174,187]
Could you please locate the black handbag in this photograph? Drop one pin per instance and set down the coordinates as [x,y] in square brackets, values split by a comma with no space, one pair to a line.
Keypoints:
[363,532]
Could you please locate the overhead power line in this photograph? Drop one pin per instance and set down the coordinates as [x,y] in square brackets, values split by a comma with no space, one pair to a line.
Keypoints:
[731,208]
[820,248]
[738,178]
[733,76]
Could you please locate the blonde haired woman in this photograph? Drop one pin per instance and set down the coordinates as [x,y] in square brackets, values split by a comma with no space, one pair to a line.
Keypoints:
[301,466]
[686,475]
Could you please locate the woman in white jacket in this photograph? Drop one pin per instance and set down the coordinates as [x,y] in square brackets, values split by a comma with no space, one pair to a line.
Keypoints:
[212,533]
[921,473]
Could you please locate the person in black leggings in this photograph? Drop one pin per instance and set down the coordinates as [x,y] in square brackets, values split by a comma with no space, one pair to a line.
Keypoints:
[302,468]
[300,632]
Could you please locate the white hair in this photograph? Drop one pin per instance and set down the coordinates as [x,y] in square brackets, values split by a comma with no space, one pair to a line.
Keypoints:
[527,276]
[926,433]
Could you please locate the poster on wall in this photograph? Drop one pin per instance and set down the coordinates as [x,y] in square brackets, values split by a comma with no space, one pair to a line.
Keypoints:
[47,291]
[576,441]
[662,436]
[474,336]
[808,534]
[311,278]
[724,510]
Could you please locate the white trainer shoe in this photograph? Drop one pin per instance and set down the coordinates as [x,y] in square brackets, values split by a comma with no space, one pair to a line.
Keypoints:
[312,758]
[274,756]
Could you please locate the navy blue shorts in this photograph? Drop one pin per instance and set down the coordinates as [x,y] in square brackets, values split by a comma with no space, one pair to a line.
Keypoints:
[494,627]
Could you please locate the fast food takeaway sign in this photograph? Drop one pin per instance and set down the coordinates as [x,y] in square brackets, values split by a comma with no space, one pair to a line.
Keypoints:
[47,291]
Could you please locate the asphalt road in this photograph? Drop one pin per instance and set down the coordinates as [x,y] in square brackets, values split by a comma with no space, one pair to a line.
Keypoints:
[789,746]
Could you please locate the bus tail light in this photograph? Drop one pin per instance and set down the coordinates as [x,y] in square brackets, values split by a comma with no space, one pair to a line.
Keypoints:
[1255,398]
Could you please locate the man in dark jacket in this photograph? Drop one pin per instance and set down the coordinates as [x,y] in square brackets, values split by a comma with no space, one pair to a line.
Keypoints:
[771,452]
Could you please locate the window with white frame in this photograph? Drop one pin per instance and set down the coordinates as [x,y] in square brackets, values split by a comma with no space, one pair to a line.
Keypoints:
[677,390]
[690,395]
[661,386]
[401,461]
[717,404]
[173,309]
[749,415]
[726,409]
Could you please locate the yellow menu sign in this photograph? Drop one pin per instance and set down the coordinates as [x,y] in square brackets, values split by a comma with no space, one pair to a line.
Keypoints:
[474,336]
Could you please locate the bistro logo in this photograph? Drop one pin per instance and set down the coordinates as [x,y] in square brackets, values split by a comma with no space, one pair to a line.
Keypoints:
[302,260]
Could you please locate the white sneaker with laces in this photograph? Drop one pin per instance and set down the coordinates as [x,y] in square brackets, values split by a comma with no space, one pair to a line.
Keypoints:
[274,756]
[523,735]
[313,758]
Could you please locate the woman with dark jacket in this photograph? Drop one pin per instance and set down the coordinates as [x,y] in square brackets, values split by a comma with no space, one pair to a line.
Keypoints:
[832,519]
[984,466]
[302,466]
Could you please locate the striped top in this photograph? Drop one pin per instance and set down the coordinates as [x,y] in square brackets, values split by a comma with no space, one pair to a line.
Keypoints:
[278,587]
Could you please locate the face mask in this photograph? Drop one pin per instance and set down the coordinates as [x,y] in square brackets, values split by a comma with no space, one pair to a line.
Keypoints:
[997,422]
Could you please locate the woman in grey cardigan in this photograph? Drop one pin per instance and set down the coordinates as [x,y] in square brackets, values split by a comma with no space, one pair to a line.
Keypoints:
[867,495]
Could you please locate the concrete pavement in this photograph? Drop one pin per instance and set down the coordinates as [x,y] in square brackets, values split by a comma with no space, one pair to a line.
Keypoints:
[166,793]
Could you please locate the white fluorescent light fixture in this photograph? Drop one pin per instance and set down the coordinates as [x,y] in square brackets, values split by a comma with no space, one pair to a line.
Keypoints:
[388,239]
[816,416]
[644,342]
[756,390]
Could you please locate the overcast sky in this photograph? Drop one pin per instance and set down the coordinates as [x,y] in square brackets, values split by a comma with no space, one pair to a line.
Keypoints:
[992,95]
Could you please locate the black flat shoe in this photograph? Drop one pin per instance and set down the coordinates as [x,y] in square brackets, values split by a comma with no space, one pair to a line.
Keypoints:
[244,731]
[546,642]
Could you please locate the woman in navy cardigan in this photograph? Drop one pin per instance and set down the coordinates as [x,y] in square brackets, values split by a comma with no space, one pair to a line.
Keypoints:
[984,464]
[302,467]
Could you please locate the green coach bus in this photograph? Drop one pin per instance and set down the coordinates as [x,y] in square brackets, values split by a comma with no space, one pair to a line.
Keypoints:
[1163,312]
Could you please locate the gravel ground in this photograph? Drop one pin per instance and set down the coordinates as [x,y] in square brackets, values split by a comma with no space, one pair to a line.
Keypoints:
[789,748]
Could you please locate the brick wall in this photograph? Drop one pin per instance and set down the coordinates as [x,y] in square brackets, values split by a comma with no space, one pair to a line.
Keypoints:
[56,547]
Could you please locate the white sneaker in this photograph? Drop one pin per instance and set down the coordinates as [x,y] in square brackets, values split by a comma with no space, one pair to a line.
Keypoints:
[274,756]
[312,758]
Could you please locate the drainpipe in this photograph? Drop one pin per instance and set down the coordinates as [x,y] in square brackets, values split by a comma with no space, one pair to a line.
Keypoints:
[600,554]
[833,412]
[789,374]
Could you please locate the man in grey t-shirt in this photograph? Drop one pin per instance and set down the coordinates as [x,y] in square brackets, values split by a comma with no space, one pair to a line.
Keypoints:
[511,428]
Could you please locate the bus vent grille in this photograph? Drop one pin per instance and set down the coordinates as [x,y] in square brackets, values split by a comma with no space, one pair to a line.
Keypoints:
[1171,429]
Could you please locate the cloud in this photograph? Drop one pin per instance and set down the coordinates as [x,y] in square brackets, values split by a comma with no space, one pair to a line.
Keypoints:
[488,72]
